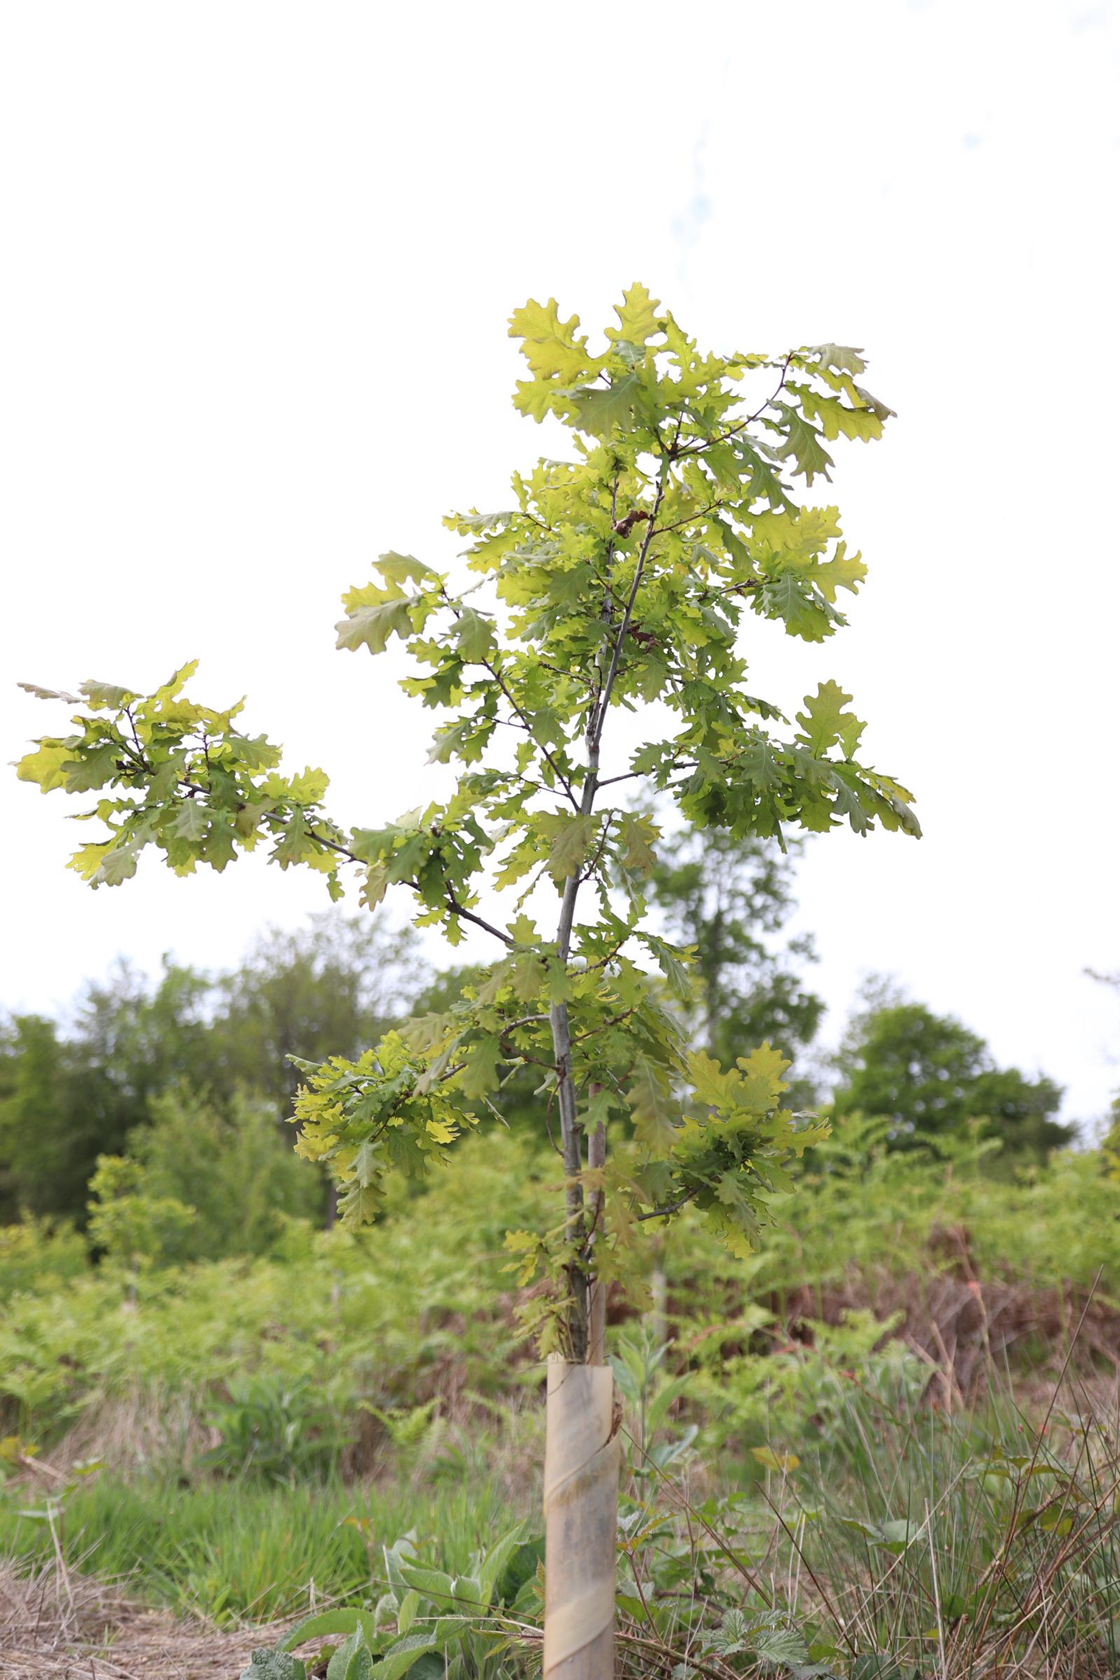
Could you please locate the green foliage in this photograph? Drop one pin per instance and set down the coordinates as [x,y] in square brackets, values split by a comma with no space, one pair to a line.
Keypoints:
[706,1164]
[650,1395]
[798,1395]
[36,1255]
[49,1131]
[865,1210]
[251,1550]
[273,1665]
[274,1428]
[230,1164]
[384,1315]
[930,1544]
[907,1540]
[129,1040]
[133,1226]
[211,1046]
[419,1307]
[331,988]
[180,777]
[463,1624]
[931,1077]
[366,1117]
[620,576]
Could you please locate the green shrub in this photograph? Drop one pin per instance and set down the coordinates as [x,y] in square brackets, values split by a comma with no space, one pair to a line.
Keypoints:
[395,1316]
[277,1429]
[39,1256]
[233,1164]
[132,1225]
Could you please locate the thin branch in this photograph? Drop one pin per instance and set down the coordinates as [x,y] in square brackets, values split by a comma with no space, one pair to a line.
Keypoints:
[596,730]
[497,676]
[596,856]
[721,437]
[628,776]
[329,844]
[689,517]
[611,1021]
[556,770]
[663,1213]
[469,916]
[574,676]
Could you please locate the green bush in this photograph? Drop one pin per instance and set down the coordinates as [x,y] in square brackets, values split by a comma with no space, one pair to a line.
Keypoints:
[38,1255]
[233,1164]
[276,1429]
[134,1227]
[383,1315]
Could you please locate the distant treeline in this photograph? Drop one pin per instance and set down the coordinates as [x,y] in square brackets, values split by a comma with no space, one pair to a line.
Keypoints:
[187,1077]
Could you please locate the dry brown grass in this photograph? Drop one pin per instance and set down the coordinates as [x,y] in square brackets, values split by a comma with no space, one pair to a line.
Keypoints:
[136,1430]
[970,1330]
[57,1625]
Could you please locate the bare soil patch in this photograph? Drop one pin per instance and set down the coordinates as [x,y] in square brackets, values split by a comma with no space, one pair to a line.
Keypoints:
[62,1626]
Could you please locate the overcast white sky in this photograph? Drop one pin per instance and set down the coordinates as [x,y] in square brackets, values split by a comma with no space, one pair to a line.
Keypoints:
[259,260]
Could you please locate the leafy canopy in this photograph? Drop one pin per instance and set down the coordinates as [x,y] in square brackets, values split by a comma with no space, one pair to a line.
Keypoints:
[616,578]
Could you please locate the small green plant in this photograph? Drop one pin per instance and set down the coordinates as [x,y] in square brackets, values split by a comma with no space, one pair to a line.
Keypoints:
[51,1489]
[412,1431]
[799,1392]
[649,1393]
[427,1624]
[36,1255]
[275,1428]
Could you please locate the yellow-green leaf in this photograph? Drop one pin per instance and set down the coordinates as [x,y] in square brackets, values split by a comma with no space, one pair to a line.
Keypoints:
[570,841]
[372,626]
[45,766]
[825,721]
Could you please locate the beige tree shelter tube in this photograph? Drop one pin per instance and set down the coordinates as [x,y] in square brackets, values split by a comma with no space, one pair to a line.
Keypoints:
[580,1520]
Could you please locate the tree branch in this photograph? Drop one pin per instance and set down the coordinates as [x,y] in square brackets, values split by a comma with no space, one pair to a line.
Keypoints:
[663,1213]
[721,437]
[595,732]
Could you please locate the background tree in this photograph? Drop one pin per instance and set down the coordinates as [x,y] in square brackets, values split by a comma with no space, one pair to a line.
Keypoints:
[933,1078]
[48,1133]
[728,898]
[328,989]
[229,1163]
[620,577]
[91,1085]
[131,1039]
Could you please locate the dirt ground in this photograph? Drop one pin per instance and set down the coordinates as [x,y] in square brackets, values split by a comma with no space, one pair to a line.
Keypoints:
[68,1627]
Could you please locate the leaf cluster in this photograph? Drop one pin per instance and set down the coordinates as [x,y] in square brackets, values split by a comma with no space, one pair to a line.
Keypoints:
[181,777]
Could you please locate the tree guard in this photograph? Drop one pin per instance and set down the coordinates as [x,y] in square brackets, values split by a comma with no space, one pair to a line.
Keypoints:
[581,1517]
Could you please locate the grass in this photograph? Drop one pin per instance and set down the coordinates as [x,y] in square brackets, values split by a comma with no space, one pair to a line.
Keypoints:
[244,1550]
[966,1544]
